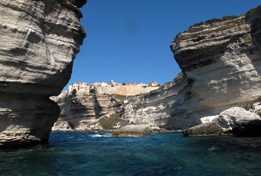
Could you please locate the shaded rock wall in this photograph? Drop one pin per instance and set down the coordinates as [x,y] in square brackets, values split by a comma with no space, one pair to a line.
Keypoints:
[39,41]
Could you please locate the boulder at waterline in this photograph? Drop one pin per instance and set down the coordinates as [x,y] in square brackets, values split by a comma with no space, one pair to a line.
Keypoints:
[248,128]
[205,129]
[133,130]
[61,125]
[235,120]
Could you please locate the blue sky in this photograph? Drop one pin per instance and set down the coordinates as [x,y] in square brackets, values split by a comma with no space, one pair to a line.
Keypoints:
[128,40]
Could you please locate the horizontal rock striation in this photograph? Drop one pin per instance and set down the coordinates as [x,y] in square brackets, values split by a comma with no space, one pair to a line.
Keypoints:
[221,65]
[39,41]
[83,111]
[156,107]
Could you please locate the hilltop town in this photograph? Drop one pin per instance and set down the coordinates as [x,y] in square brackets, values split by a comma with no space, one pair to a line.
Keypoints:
[125,89]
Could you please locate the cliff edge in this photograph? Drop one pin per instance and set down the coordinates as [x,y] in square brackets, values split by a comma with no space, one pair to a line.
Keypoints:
[221,59]
[221,65]
[39,41]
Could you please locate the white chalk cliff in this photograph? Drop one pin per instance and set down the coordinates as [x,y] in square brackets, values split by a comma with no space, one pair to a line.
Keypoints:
[38,43]
[221,66]
[89,106]
[83,111]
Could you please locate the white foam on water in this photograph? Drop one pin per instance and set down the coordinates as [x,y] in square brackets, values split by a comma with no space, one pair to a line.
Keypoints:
[100,135]
[134,135]
[212,148]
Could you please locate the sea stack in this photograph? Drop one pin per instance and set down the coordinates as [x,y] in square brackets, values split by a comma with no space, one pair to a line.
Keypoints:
[39,41]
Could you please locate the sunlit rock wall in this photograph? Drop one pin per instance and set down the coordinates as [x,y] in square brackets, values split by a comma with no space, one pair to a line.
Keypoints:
[38,43]
[221,66]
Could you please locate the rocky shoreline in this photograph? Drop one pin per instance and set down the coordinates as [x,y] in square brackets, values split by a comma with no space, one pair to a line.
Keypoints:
[234,120]
[220,61]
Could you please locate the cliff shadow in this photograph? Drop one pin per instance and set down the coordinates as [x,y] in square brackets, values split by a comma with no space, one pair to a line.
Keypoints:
[253,18]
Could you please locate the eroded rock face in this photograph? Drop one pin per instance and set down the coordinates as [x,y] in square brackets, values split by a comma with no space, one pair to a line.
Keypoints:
[156,107]
[222,60]
[83,111]
[221,66]
[39,41]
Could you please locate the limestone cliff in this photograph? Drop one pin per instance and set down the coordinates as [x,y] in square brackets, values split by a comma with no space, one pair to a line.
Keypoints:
[39,41]
[221,65]
[156,107]
[83,111]
[97,106]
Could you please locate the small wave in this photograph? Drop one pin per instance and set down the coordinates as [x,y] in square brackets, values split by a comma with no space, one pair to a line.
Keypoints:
[212,148]
[100,135]
[134,136]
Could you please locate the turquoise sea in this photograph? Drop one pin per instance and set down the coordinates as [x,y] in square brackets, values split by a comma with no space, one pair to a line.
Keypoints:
[162,154]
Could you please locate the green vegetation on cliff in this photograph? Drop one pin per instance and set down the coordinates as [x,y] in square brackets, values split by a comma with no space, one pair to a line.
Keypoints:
[74,91]
[92,91]
[109,123]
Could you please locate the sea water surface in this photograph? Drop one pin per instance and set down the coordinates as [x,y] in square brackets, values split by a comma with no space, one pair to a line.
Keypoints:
[166,154]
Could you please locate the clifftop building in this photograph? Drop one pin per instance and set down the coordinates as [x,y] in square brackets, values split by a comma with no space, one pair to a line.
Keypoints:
[81,86]
[126,89]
